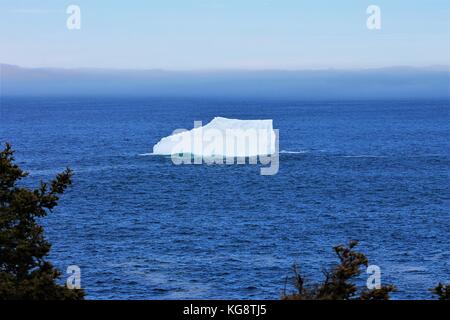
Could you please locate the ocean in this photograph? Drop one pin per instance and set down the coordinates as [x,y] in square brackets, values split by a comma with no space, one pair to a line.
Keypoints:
[141,227]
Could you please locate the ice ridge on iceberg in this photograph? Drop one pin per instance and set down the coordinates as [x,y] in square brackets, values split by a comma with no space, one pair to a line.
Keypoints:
[222,137]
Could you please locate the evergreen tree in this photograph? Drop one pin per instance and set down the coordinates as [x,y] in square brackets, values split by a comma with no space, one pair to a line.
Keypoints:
[442,291]
[24,272]
[338,283]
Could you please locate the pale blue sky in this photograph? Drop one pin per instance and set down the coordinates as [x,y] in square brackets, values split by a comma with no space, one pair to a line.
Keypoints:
[225,34]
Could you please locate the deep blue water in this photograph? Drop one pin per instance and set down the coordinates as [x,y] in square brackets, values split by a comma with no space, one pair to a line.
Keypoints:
[141,227]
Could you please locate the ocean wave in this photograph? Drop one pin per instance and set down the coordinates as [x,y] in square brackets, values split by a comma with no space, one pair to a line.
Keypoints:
[147,154]
[361,156]
[294,152]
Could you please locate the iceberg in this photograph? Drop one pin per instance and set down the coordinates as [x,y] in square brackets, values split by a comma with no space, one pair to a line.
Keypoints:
[222,137]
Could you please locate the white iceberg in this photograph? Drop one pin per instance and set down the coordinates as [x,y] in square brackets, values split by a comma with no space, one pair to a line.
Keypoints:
[221,137]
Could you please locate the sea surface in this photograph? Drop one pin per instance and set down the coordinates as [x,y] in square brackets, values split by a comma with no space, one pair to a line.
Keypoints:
[141,227]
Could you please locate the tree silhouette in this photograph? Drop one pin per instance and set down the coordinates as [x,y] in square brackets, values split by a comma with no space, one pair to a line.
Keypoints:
[442,291]
[24,272]
[338,284]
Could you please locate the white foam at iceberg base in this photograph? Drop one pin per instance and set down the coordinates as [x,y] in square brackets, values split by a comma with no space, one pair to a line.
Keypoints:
[221,137]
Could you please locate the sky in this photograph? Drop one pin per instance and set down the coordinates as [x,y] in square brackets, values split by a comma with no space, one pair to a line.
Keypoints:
[224,34]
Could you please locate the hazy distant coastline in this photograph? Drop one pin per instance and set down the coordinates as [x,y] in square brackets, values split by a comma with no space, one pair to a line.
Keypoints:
[383,83]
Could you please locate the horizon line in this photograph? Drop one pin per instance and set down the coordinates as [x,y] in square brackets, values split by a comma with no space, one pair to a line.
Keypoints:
[440,67]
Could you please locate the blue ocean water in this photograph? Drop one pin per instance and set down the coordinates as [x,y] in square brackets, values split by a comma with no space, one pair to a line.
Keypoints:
[142,228]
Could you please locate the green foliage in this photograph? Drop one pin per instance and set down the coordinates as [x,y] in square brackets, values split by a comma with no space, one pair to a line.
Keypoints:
[338,284]
[24,272]
[442,291]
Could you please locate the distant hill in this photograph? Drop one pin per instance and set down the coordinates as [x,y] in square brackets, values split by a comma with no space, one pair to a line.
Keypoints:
[385,83]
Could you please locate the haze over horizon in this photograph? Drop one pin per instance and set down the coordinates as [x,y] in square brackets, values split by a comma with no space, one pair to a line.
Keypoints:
[382,83]
[440,67]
